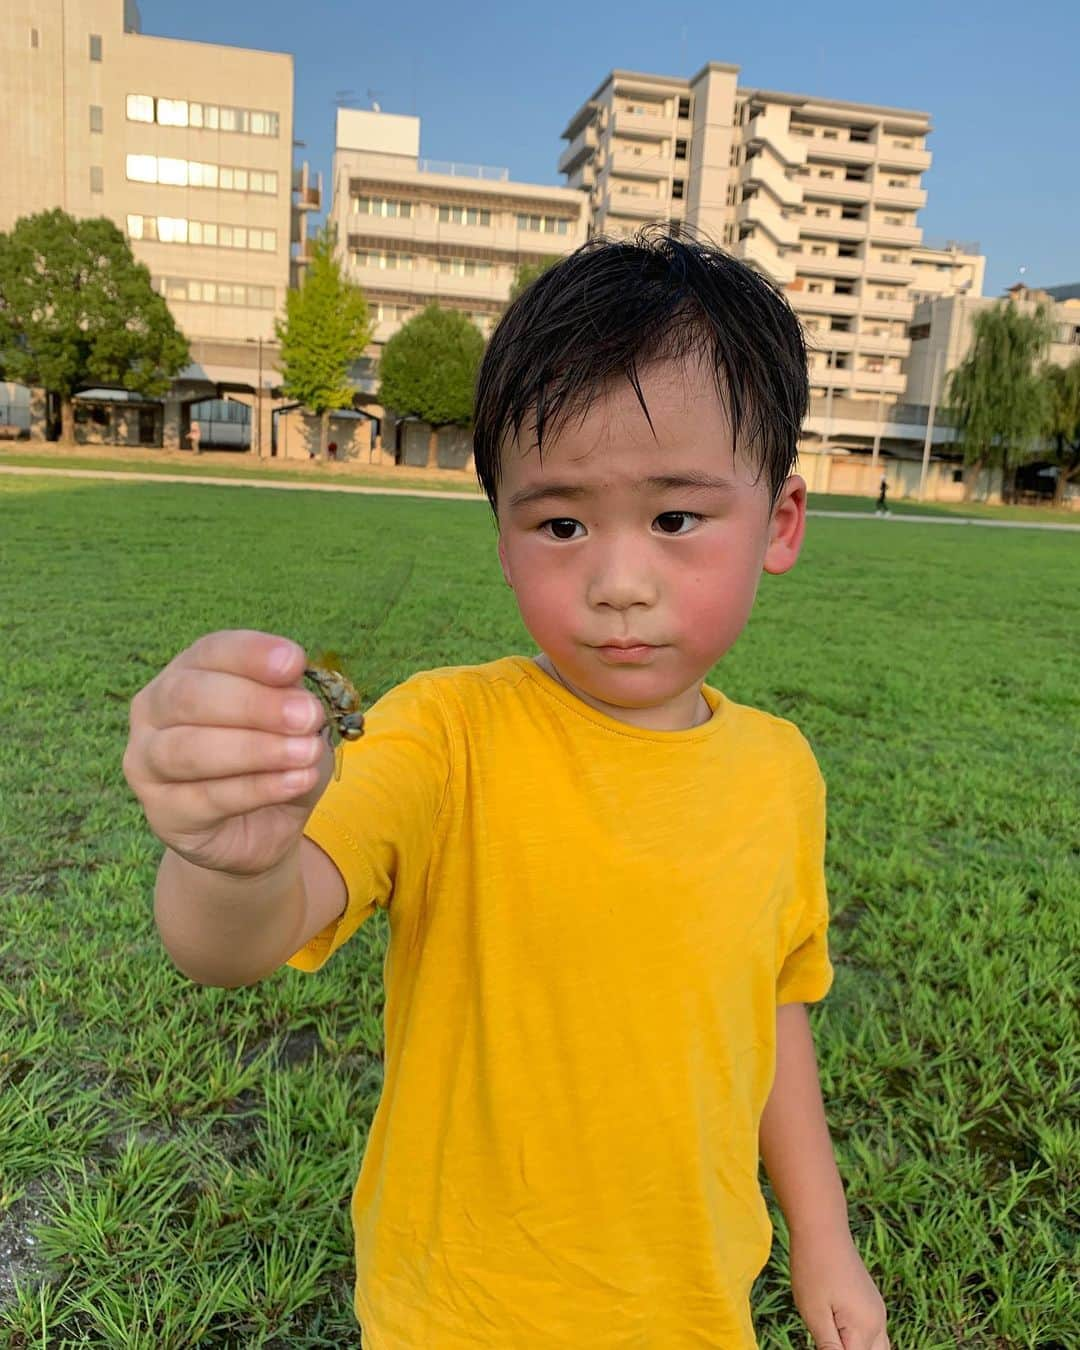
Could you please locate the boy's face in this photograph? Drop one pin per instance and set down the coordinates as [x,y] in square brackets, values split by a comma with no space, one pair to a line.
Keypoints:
[608,556]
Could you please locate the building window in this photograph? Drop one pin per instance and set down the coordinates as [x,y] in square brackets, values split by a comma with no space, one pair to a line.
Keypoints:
[680,149]
[194,173]
[678,187]
[814,287]
[851,213]
[890,257]
[844,288]
[831,135]
[826,173]
[215,292]
[822,211]
[179,112]
[463,267]
[847,251]
[885,295]
[544,224]
[96,118]
[381,206]
[172,112]
[464,215]
[207,233]
[33,37]
[140,108]
[684,107]
[385,260]
[918,331]
[893,220]
[97,178]
[819,250]
[840,325]
[95,46]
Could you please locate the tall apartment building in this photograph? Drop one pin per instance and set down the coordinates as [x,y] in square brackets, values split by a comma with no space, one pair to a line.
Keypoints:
[946,267]
[187,146]
[820,195]
[412,231]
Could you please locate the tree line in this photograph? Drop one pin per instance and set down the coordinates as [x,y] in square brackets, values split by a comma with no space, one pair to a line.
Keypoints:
[77,310]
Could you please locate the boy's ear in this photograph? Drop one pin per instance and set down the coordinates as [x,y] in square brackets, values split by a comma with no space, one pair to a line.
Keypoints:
[787,525]
[503,563]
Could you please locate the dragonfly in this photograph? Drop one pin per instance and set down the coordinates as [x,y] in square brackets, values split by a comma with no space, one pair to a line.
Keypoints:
[338,695]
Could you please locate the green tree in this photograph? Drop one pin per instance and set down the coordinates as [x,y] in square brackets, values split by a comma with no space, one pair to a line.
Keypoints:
[77,310]
[1063,422]
[526,273]
[997,396]
[428,370]
[326,328]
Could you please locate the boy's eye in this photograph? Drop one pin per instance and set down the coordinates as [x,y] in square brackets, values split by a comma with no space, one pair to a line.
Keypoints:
[561,523]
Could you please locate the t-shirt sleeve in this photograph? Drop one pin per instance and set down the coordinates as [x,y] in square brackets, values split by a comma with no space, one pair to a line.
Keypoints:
[806,974]
[378,821]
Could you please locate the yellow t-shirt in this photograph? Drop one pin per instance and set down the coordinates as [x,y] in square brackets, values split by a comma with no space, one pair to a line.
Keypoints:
[591,926]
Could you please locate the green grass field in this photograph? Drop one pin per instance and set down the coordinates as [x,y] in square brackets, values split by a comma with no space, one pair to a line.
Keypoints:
[177,1161]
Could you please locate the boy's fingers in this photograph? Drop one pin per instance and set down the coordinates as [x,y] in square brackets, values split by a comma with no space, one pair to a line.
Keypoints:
[194,697]
[263,657]
[191,754]
[193,807]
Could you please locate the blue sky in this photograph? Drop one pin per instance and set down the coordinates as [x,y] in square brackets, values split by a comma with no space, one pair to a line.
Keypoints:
[496,83]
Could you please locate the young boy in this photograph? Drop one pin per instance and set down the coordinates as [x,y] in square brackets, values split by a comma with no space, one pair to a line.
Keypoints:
[604,879]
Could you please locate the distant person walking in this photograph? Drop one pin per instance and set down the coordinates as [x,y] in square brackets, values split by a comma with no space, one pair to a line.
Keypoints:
[882,508]
[193,436]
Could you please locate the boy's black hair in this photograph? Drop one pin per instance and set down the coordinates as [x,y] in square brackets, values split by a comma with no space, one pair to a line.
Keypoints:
[613,306]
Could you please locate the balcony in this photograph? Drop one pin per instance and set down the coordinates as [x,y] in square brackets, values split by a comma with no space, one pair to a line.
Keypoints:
[579,149]
[890,155]
[885,309]
[836,189]
[884,233]
[892,382]
[653,164]
[584,176]
[639,205]
[307,195]
[819,303]
[828,267]
[642,126]
[913,198]
[883,271]
[845,152]
[834,227]
[893,345]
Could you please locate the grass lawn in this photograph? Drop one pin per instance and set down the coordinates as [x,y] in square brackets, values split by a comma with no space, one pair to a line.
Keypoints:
[177,1161]
[223,465]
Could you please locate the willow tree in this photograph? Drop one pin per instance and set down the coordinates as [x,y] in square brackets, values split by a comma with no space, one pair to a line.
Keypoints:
[326,328]
[1063,423]
[997,395]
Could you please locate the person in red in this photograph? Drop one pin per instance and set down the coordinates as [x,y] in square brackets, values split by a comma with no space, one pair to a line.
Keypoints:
[604,878]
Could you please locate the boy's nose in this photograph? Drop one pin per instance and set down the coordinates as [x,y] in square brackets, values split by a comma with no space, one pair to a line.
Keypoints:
[622,578]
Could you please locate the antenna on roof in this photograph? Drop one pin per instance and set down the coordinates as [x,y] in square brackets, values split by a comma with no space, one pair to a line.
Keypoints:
[371,93]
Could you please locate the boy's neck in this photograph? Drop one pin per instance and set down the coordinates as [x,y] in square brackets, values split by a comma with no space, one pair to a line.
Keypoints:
[701,711]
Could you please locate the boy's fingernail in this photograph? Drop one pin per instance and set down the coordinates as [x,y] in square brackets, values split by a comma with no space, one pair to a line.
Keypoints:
[281,658]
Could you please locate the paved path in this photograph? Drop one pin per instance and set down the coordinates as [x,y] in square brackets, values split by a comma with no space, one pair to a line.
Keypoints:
[281,486]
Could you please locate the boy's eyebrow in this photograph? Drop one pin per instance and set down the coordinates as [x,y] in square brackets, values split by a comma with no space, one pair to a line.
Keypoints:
[690,479]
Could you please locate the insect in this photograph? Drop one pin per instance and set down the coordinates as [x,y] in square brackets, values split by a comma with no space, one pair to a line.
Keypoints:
[344,720]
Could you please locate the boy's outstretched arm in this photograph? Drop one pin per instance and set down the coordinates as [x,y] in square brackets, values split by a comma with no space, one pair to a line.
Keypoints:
[832,1289]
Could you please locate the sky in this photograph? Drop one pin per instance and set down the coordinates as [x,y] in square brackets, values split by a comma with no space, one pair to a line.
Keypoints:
[495,83]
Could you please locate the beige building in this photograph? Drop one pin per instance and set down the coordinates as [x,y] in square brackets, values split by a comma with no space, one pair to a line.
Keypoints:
[941,332]
[187,146]
[412,231]
[820,195]
[946,267]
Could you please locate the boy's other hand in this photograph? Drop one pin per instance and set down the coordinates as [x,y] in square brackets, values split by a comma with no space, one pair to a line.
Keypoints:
[835,1295]
[224,752]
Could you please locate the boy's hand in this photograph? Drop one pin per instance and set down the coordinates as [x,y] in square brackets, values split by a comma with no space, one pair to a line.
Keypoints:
[835,1295]
[225,778]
